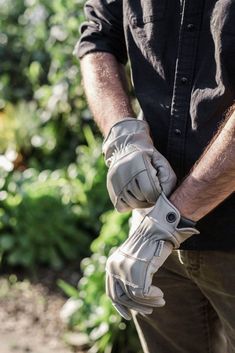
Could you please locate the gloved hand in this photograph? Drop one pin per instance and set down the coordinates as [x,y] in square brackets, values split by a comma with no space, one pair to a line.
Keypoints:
[138,173]
[130,269]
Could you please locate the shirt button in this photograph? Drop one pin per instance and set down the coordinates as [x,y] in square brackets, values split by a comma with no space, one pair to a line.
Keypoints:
[184,80]
[190,27]
[177,132]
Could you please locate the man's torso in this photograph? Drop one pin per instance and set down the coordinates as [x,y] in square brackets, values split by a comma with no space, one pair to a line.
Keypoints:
[182,56]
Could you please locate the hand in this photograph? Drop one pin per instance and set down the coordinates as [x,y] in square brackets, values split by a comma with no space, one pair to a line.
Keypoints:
[130,269]
[138,173]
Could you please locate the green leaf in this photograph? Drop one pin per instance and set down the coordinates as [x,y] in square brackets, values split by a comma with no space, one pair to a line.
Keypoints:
[69,290]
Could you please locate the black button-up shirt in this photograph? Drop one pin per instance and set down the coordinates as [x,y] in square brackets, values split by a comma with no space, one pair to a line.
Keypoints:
[182,56]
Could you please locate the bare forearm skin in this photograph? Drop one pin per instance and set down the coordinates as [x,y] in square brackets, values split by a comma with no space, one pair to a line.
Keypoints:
[212,179]
[106,89]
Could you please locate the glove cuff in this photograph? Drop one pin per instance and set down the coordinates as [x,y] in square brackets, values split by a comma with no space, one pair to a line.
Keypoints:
[123,132]
[167,215]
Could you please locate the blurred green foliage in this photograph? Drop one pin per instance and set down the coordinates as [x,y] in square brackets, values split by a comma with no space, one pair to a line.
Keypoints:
[37,39]
[51,217]
[52,174]
[92,312]
[39,224]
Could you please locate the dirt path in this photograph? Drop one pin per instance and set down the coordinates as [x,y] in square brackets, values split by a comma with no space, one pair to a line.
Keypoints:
[14,343]
[29,318]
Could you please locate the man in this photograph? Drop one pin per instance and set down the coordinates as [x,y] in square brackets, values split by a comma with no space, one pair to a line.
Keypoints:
[182,60]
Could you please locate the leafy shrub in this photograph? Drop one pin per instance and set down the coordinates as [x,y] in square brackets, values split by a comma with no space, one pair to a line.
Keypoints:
[93,313]
[51,217]
[37,38]
[36,46]
[39,224]
[22,131]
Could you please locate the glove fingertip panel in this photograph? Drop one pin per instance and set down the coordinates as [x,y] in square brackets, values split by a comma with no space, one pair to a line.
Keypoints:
[125,313]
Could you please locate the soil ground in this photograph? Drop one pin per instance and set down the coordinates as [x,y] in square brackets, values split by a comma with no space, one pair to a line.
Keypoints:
[29,313]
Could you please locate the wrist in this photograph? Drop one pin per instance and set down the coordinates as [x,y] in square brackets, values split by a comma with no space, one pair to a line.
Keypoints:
[184,208]
[167,216]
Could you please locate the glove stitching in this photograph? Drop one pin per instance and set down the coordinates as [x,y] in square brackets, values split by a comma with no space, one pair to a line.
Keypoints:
[121,150]
[139,232]
[115,140]
[123,280]
[134,120]
[145,277]
[175,242]
[132,257]
[131,298]
[142,300]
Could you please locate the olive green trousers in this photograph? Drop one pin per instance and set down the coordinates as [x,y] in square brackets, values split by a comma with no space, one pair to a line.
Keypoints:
[199,315]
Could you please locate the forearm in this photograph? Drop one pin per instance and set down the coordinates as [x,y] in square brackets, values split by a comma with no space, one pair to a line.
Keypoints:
[212,179]
[106,89]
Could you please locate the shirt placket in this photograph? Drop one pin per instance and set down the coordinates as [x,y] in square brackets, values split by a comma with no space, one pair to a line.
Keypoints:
[184,73]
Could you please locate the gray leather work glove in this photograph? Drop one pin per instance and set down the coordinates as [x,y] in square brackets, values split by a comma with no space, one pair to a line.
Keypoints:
[138,173]
[130,269]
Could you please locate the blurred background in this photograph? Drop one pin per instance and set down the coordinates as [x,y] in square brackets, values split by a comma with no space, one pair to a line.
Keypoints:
[57,225]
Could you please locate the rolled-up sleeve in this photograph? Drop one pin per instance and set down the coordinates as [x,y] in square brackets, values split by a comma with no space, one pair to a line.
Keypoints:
[103,30]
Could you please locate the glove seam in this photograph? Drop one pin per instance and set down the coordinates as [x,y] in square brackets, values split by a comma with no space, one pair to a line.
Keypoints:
[124,280]
[132,120]
[161,226]
[123,138]
[132,257]
[127,154]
